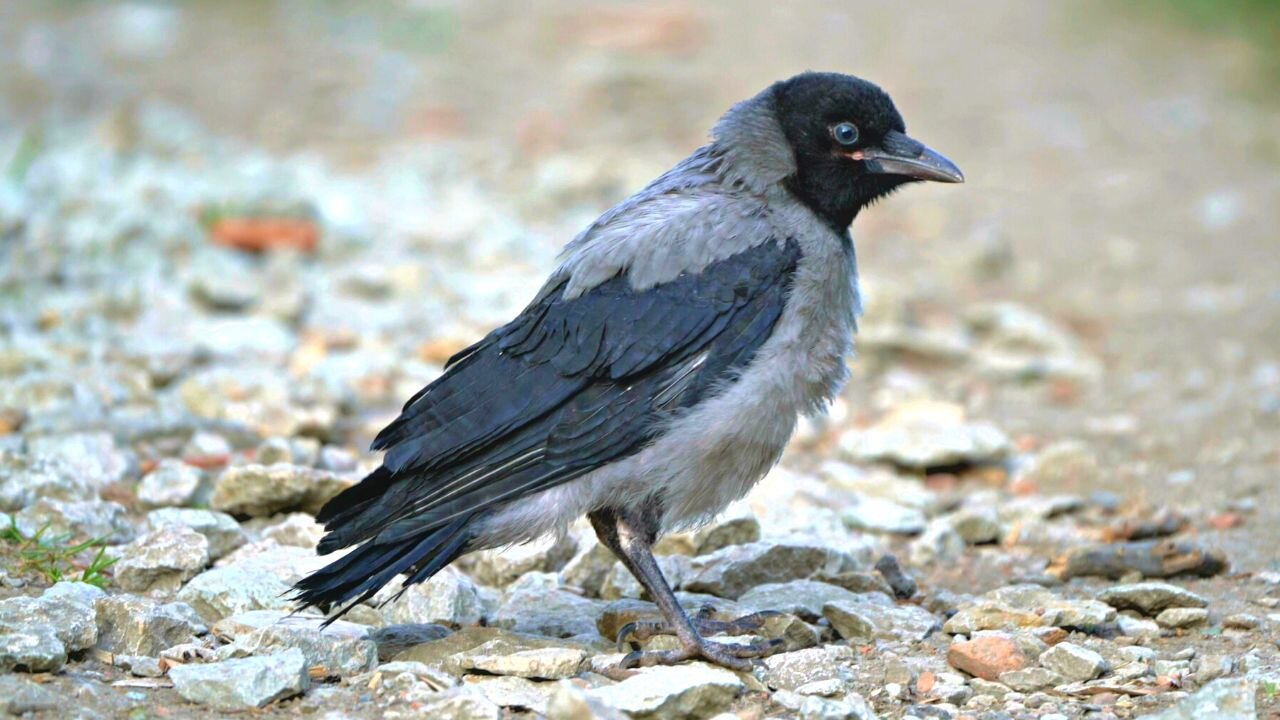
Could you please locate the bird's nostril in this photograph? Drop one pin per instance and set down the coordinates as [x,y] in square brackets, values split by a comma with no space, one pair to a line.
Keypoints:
[896,143]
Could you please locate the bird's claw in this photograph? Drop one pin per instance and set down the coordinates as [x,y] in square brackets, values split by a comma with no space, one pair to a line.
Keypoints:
[734,657]
[640,630]
[738,626]
[636,632]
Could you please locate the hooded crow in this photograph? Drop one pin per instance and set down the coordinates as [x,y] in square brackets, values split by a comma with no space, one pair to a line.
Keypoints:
[660,371]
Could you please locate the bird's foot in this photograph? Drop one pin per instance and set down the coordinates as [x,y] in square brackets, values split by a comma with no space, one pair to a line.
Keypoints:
[704,623]
[732,656]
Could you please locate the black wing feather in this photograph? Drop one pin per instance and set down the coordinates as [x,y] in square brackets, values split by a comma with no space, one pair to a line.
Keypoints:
[569,385]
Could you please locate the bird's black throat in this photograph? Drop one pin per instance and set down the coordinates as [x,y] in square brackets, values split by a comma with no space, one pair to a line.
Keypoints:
[837,196]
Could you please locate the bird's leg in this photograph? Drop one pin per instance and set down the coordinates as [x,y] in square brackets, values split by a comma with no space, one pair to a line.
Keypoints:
[631,539]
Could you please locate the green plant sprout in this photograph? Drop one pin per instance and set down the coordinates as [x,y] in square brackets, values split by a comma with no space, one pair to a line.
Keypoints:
[55,558]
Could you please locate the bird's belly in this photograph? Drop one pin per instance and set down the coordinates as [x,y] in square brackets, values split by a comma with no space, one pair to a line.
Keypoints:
[718,452]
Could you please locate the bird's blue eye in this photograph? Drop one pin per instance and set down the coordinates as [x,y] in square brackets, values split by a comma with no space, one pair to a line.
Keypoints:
[845,133]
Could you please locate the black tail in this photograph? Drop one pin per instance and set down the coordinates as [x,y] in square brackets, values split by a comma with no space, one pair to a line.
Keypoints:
[357,576]
[349,503]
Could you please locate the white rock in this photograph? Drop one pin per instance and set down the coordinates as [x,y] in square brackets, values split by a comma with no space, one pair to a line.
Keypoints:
[287,562]
[23,483]
[620,583]
[791,670]
[341,648]
[242,684]
[448,598]
[879,615]
[512,692]
[162,560]
[694,690]
[732,571]
[802,598]
[872,514]
[80,519]
[1137,627]
[1073,662]
[461,703]
[549,663]
[1182,617]
[501,567]
[1226,699]
[172,483]
[296,530]
[33,649]
[220,529]
[1064,464]
[263,490]
[221,592]
[92,456]
[132,625]
[940,543]
[1016,343]
[951,688]
[1031,679]
[535,604]
[20,696]
[1149,598]
[588,569]
[852,707]
[66,609]
[571,702]
[924,434]
[883,483]
[974,525]
[737,525]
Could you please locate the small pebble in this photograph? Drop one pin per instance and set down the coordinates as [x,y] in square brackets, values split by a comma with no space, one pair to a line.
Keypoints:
[1182,617]
[1241,621]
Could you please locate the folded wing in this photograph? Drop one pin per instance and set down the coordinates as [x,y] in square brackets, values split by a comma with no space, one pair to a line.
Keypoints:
[569,385]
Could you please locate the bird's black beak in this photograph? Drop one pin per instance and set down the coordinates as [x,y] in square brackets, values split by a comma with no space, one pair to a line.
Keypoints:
[898,154]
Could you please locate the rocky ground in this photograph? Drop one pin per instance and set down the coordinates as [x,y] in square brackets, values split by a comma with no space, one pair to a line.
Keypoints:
[1029,503]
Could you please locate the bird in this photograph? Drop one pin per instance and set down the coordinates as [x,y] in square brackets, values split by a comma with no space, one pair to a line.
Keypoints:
[659,372]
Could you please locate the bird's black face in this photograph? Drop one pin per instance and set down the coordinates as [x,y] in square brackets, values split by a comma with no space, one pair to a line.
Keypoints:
[850,145]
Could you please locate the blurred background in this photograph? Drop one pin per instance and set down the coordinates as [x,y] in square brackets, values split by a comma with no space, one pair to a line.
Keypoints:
[223,222]
[1122,167]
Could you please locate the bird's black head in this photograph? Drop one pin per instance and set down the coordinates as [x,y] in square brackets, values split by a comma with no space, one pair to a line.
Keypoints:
[850,144]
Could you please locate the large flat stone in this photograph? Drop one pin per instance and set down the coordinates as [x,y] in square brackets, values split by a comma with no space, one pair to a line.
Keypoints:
[866,616]
[1149,598]
[242,684]
[221,592]
[456,653]
[131,625]
[32,649]
[66,609]
[341,648]
[691,691]
[732,571]
[264,490]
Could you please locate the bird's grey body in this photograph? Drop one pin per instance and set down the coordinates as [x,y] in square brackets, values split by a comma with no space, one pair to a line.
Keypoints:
[659,373]
[711,454]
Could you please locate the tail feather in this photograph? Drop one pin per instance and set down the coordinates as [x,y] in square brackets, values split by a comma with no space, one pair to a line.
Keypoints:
[450,550]
[348,503]
[357,576]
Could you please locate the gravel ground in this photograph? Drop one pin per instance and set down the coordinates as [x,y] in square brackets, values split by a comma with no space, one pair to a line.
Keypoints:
[234,240]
